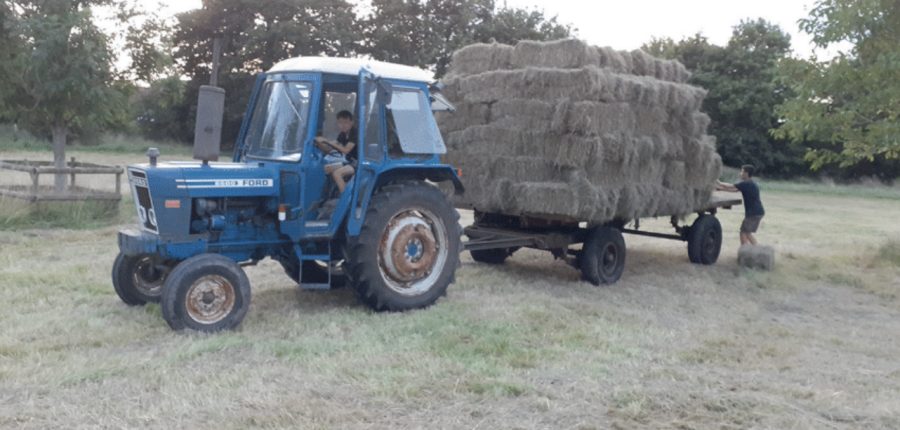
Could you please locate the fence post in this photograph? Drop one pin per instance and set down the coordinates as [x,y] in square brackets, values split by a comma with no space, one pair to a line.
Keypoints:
[34,182]
[119,184]
[72,175]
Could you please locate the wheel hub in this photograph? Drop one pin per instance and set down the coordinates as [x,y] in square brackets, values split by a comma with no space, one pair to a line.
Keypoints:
[210,299]
[411,249]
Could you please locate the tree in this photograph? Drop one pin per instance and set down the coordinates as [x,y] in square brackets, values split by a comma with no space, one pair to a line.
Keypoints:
[426,33]
[62,77]
[741,78]
[848,106]
[254,37]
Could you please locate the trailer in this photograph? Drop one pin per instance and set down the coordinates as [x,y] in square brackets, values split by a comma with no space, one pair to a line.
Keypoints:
[601,255]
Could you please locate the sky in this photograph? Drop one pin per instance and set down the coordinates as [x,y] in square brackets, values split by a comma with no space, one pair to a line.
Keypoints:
[627,24]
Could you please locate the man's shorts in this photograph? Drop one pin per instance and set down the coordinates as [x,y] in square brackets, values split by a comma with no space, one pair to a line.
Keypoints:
[750,224]
[335,158]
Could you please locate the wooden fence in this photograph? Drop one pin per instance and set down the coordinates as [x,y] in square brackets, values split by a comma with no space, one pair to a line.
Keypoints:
[35,192]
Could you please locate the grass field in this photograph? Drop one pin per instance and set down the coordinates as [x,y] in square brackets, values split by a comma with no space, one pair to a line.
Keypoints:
[812,344]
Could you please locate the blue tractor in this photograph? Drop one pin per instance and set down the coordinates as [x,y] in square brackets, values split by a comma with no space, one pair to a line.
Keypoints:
[392,234]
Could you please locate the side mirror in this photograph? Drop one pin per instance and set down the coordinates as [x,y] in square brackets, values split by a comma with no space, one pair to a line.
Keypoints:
[208,128]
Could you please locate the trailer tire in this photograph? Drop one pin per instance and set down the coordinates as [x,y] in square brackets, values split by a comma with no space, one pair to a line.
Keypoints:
[407,251]
[705,240]
[492,256]
[602,259]
[207,292]
[135,283]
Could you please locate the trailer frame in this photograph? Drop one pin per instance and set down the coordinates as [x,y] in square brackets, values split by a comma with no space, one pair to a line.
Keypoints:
[497,234]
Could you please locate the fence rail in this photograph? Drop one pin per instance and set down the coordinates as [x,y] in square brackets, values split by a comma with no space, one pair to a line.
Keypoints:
[35,192]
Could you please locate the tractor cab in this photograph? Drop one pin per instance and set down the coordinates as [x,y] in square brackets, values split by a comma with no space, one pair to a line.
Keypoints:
[391,234]
[298,100]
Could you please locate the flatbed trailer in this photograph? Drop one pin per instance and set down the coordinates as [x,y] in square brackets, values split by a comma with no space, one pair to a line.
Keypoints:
[601,258]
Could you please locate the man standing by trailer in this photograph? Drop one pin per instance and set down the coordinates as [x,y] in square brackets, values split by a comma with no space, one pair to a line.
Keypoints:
[753,208]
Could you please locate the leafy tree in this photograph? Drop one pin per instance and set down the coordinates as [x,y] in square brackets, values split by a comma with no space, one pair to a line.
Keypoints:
[744,90]
[159,107]
[425,33]
[254,37]
[849,107]
[62,77]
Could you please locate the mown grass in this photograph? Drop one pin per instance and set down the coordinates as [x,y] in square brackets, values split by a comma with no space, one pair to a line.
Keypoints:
[18,214]
[521,345]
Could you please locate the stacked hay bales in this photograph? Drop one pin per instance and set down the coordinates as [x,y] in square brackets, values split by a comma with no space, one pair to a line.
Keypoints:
[570,131]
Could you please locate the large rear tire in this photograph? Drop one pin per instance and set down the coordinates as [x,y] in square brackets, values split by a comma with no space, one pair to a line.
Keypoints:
[602,258]
[207,292]
[139,279]
[705,240]
[407,252]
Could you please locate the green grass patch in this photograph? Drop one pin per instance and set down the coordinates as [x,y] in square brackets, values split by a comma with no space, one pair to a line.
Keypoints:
[11,140]
[889,252]
[825,189]
[17,214]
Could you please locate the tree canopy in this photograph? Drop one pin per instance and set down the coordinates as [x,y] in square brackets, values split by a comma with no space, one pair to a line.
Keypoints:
[744,90]
[847,110]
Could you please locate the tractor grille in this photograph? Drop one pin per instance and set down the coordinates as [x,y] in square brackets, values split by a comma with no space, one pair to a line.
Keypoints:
[142,200]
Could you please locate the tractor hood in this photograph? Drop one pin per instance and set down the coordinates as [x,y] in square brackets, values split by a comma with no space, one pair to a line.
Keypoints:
[163,193]
[195,179]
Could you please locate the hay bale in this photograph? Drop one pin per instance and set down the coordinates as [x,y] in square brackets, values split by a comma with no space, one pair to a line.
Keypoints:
[481,57]
[758,257]
[569,131]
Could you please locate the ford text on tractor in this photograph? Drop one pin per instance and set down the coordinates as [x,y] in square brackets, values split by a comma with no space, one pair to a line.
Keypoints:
[392,235]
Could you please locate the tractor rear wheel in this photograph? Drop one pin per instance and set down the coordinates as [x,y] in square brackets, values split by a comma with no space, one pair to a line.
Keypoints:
[407,252]
[207,292]
[139,279]
[705,240]
[602,258]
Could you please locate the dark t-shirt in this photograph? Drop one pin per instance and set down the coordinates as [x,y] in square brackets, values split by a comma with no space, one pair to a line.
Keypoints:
[344,138]
[750,192]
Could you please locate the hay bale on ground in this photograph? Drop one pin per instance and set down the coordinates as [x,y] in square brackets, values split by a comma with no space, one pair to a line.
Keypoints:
[758,257]
[566,130]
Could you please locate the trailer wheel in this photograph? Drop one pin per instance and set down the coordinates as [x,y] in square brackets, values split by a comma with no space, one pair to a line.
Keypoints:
[139,279]
[602,258]
[207,292]
[492,256]
[407,252]
[705,240]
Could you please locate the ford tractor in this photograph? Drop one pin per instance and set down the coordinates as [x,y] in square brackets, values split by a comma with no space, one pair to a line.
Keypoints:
[391,234]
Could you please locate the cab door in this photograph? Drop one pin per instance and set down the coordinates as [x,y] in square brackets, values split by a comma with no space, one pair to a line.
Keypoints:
[370,112]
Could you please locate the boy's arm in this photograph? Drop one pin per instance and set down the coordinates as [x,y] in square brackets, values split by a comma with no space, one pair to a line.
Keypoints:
[722,186]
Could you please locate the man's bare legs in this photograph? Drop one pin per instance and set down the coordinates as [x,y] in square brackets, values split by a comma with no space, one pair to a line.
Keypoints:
[747,239]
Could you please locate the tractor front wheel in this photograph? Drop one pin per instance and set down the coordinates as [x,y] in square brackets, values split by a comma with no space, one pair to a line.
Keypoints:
[139,279]
[207,292]
[407,252]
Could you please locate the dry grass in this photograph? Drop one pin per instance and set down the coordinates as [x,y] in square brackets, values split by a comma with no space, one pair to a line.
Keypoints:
[524,345]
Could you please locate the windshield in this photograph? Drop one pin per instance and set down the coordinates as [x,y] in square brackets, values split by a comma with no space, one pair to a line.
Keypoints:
[278,124]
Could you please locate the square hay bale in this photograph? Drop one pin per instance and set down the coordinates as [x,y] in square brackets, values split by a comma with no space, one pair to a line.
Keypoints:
[566,130]
[757,257]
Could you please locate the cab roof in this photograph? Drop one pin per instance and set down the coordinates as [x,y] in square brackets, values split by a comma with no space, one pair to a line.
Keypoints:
[352,66]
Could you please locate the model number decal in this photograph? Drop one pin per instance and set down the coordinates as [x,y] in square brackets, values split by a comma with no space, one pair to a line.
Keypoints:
[224,183]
